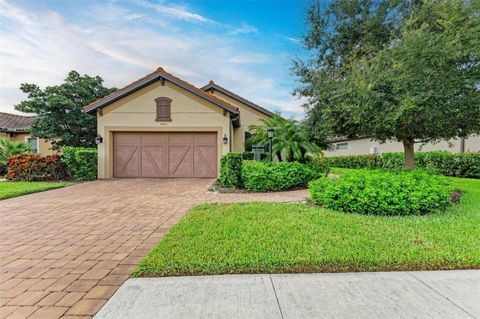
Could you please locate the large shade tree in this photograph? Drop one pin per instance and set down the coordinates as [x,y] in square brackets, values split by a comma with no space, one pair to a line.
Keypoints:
[59,107]
[420,84]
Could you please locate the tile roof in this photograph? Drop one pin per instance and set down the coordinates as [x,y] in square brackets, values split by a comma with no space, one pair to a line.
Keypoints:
[13,123]
[156,75]
[212,85]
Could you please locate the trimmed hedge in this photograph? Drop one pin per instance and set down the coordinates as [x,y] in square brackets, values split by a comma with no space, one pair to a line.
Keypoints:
[81,162]
[32,168]
[441,162]
[247,155]
[381,192]
[277,176]
[231,170]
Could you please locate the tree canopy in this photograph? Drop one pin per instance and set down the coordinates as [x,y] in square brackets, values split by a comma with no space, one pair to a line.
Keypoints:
[416,81]
[59,108]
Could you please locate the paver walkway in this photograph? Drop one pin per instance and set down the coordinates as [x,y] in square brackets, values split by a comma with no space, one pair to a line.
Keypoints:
[392,295]
[65,252]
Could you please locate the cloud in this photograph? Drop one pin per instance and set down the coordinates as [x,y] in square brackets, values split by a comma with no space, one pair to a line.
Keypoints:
[41,46]
[176,12]
[294,40]
[291,105]
[244,28]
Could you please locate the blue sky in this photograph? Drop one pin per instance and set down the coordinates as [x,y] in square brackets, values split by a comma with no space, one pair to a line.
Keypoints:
[245,46]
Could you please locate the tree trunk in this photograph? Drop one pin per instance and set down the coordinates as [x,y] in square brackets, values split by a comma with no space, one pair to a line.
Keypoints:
[279,156]
[409,150]
[302,158]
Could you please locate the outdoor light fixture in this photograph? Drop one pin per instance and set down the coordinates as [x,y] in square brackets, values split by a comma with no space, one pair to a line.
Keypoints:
[98,139]
[225,139]
[270,132]
[270,137]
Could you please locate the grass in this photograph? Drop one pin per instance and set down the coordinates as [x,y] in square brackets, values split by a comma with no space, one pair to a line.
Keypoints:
[15,189]
[280,238]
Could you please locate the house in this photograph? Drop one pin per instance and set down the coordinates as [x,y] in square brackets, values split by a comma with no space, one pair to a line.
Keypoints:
[163,126]
[362,146]
[16,128]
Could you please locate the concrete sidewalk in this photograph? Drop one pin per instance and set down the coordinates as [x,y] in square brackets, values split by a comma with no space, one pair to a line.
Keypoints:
[428,294]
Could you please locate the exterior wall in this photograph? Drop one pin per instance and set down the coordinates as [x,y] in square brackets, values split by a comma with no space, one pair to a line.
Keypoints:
[137,113]
[365,146]
[248,116]
[44,147]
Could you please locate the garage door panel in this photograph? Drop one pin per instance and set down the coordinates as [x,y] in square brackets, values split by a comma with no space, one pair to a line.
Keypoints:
[128,138]
[154,161]
[205,139]
[154,139]
[165,154]
[127,160]
[180,138]
[205,160]
[181,160]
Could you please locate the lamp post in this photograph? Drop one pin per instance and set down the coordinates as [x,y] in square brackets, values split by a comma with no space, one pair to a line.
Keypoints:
[270,137]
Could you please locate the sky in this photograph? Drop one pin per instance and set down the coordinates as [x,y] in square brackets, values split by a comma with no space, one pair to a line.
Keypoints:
[244,46]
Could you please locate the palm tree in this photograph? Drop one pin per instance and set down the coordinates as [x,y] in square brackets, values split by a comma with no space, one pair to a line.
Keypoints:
[9,148]
[289,138]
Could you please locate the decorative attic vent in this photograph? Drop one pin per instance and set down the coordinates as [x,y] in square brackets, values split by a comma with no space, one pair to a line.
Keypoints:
[163,105]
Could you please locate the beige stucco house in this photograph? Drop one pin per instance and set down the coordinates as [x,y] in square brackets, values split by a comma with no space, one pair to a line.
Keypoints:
[363,146]
[163,126]
[16,128]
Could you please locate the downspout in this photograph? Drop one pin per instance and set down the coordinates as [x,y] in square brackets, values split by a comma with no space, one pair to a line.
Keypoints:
[231,131]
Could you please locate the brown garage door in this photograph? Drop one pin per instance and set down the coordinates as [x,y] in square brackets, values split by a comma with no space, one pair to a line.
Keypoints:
[165,155]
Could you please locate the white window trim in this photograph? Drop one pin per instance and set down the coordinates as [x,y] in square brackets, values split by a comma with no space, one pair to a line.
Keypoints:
[341,149]
[38,142]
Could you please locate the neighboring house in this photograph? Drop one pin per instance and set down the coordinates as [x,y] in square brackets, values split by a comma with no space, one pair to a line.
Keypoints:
[16,128]
[363,146]
[162,126]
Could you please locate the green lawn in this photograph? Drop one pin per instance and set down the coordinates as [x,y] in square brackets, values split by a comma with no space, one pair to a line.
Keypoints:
[277,238]
[14,189]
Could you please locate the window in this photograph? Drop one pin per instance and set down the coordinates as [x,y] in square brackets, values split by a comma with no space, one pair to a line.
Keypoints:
[248,148]
[33,143]
[163,105]
[341,146]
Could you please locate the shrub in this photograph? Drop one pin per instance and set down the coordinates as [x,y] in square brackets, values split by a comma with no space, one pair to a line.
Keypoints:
[231,170]
[9,148]
[81,162]
[441,162]
[247,156]
[32,167]
[277,176]
[3,169]
[381,192]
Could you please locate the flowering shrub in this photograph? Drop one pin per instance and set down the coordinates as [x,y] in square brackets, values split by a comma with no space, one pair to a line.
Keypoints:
[32,167]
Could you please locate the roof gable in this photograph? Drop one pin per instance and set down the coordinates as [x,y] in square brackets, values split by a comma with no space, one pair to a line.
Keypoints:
[158,75]
[213,86]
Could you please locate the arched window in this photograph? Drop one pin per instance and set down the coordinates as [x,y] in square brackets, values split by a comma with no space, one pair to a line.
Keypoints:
[163,105]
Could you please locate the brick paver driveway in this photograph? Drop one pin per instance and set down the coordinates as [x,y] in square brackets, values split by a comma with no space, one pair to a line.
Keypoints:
[65,252]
